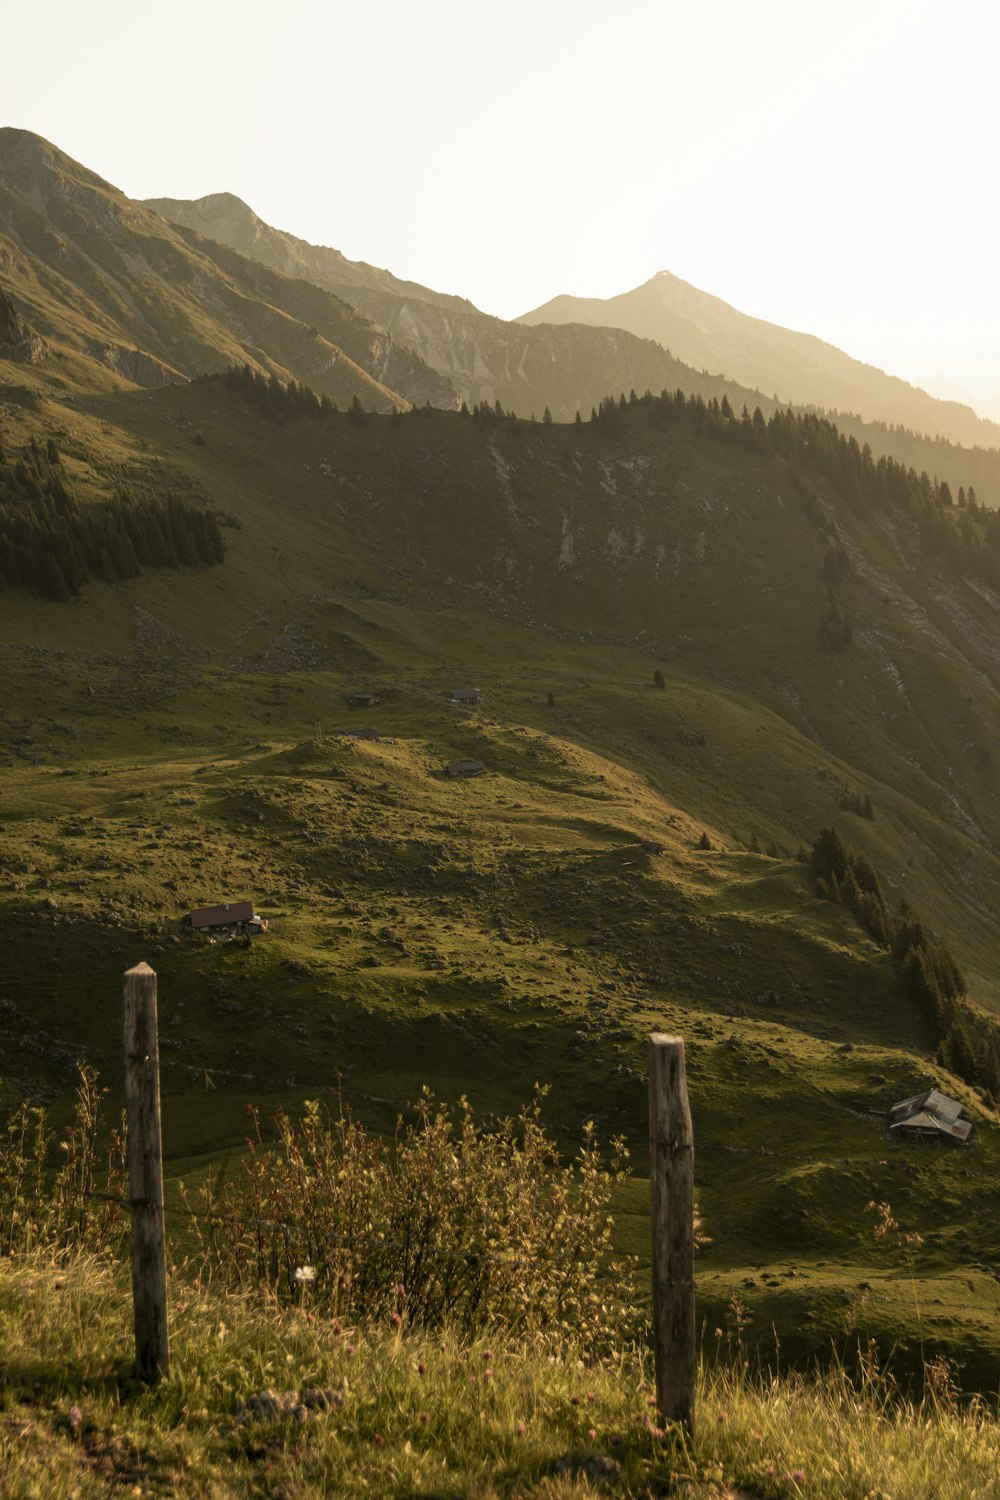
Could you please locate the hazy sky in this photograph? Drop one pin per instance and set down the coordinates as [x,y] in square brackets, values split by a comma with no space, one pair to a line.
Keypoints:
[831,167]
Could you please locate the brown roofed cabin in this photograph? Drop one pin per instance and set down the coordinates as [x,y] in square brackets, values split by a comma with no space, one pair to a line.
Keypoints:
[461,768]
[235,914]
[929,1117]
[465,695]
[363,700]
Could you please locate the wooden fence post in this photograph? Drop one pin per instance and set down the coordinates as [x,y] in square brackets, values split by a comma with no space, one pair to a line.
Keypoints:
[145,1174]
[671,1189]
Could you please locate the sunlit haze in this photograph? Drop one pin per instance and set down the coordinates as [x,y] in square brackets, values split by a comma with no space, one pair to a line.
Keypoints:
[831,169]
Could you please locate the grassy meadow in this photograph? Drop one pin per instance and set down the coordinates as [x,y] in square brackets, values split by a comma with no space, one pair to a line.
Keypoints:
[182,739]
[408,1413]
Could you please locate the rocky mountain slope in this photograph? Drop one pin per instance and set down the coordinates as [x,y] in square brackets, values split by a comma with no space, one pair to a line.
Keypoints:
[570,367]
[114,289]
[703,331]
[485,358]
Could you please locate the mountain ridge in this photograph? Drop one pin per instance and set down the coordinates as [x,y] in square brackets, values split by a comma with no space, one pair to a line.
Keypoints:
[114,289]
[563,367]
[706,332]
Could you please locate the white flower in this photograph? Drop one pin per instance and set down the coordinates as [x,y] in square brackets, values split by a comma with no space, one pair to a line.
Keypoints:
[305,1274]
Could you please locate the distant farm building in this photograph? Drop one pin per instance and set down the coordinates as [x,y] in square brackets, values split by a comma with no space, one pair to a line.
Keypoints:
[929,1117]
[457,769]
[465,695]
[235,916]
[363,700]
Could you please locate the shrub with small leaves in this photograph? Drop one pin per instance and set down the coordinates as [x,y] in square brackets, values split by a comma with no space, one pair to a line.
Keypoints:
[453,1223]
[62,1194]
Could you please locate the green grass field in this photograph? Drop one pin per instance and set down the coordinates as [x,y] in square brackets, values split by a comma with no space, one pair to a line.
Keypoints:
[419,1414]
[159,751]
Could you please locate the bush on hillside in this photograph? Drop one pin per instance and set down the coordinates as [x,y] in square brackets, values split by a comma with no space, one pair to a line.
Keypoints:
[64,1193]
[454,1224]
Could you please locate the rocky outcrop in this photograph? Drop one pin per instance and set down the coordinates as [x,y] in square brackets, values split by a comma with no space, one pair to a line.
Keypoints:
[135,366]
[18,340]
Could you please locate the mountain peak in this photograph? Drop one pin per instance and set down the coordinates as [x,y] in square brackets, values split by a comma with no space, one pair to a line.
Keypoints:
[228,201]
[213,208]
[25,154]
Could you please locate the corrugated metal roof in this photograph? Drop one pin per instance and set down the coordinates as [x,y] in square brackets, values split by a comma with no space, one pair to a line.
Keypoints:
[931,1099]
[925,1123]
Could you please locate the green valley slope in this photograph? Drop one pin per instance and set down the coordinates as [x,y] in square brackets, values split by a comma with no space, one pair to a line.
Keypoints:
[161,750]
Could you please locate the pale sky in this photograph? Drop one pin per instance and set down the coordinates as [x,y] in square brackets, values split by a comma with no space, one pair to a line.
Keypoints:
[831,167]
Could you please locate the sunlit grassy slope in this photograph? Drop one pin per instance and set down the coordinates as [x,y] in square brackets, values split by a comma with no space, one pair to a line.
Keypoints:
[161,751]
[418,1413]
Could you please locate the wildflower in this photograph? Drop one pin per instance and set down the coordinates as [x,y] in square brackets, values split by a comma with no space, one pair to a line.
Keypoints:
[350,1350]
[487,1374]
[575,1400]
[797,1476]
[722,1416]
[522,1428]
[395,1320]
[74,1417]
[379,1439]
[592,1433]
[487,1355]
[421,1368]
[310,1317]
[425,1417]
[304,1275]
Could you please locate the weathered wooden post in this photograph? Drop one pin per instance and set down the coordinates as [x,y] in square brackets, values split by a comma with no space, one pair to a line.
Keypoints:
[671,1189]
[145,1174]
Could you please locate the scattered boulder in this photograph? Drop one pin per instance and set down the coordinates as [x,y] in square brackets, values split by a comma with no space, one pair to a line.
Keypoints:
[18,340]
[597,1469]
[276,1406]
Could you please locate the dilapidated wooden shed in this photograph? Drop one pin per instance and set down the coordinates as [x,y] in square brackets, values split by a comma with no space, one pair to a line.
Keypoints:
[930,1116]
